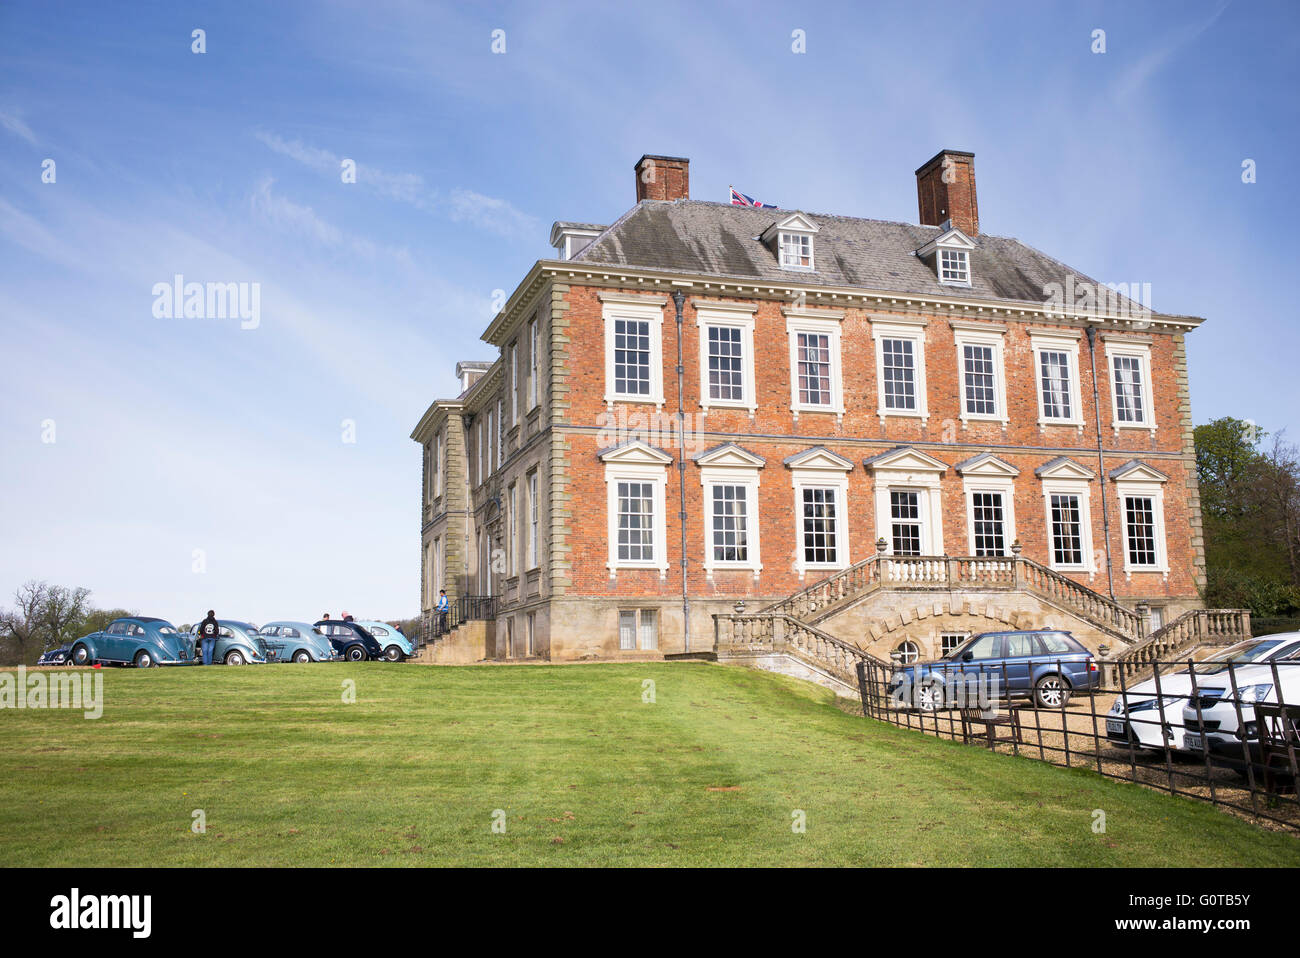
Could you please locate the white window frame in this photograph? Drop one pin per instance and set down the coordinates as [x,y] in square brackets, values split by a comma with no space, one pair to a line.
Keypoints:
[907,470]
[989,474]
[533,359]
[827,323]
[914,331]
[982,334]
[440,463]
[731,316]
[964,258]
[650,309]
[501,433]
[1141,352]
[478,453]
[637,463]
[1154,491]
[1058,341]
[800,238]
[748,479]
[534,519]
[1070,487]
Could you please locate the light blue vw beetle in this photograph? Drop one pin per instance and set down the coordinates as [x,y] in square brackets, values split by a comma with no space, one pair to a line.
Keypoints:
[140,640]
[237,644]
[296,642]
[396,646]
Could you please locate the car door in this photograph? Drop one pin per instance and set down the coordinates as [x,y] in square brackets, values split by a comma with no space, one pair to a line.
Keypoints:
[1019,651]
[976,660]
[114,644]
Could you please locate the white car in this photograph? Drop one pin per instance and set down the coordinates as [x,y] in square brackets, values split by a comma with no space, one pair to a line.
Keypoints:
[1136,714]
[1215,729]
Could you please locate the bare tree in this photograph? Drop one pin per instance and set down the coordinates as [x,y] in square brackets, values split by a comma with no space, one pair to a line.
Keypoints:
[21,626]
[64,611]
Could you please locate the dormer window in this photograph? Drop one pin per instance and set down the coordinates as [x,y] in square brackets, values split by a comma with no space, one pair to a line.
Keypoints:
[796,251]
[792,241]
[949,255]
[570,239]
[954,266]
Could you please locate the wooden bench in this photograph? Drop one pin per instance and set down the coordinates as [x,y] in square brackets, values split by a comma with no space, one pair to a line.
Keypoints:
[992,726]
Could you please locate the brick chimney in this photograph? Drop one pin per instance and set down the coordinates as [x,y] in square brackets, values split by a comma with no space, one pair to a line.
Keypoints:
[663,178]
[945,190]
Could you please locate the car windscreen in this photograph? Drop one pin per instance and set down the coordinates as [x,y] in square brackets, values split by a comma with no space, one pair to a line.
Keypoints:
[1244,652]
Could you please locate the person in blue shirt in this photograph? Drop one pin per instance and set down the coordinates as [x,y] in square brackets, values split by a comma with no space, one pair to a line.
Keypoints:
[443,608]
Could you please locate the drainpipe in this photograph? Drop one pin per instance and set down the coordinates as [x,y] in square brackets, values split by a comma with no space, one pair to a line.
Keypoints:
[1101,462]
[679,299]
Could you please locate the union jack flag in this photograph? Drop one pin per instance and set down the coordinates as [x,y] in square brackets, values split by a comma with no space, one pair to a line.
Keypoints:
[740,199]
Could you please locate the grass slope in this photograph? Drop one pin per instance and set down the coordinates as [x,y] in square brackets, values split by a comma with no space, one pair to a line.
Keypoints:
[587,774]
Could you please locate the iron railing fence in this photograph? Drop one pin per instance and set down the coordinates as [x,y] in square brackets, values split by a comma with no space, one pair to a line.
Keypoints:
[1225,733]
[462,609]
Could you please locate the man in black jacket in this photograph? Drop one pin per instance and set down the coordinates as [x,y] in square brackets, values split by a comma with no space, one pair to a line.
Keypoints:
[208,632]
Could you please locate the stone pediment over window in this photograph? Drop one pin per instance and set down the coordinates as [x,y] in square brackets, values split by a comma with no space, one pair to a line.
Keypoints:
[1135,470]
[729,455]
[1063,467]
[635,452]
[986,464]
[818,457]
[904,459]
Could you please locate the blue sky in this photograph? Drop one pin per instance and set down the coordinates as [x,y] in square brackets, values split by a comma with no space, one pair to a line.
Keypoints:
[176,435]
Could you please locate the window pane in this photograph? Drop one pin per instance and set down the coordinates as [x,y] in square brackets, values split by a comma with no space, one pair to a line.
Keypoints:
[1067,532]
[649,629]
[1129,405]
[729,524]
[980,396]
[814,369]
[636,521]
[1055,371]
[905,513]
[632,357]
[952,266]
[900,374]
[986,508]
[1139,513]
[726,380]
[819,526]
[627,630]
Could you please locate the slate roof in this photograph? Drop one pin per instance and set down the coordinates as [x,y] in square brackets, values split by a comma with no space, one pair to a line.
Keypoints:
[716,239]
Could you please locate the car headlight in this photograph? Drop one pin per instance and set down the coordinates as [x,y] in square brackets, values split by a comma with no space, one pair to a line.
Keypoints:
[1254,693]
[1142,706]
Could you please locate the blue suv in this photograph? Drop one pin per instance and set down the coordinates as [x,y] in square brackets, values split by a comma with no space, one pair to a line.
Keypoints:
[1047,666]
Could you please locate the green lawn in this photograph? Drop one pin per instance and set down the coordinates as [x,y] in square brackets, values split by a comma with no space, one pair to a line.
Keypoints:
[586,773]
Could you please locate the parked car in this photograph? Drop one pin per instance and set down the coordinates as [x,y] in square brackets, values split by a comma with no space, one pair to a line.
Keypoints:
[296,642]
[1217,728]
[140,640]
[395,644]
[237,644]
[1046,666]
[60,656]
[1136,714]
[352,641]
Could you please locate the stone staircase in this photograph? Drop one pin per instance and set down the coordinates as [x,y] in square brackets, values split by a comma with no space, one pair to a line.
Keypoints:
[1179,640]
[786,636]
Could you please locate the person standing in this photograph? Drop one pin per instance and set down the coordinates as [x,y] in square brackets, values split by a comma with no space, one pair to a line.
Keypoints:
[208,631]
[443,608]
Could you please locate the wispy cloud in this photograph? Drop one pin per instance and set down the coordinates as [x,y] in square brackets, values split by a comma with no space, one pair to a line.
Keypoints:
[1152,62]
[489,213]
[17,126]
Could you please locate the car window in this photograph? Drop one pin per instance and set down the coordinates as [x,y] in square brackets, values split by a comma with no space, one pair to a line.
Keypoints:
[1054,643]
[166,630]
[1019,646]
[136,630]
[376,630]
[290,633]
[117,628]
[225,632]
[269,630]
[982,647]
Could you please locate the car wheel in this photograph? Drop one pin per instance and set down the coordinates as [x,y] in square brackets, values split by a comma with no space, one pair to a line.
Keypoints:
[80,655]
[929,696]
[356,653]
[234,658]
[301,656]
[1051,692]
[393,654]
[143,660]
